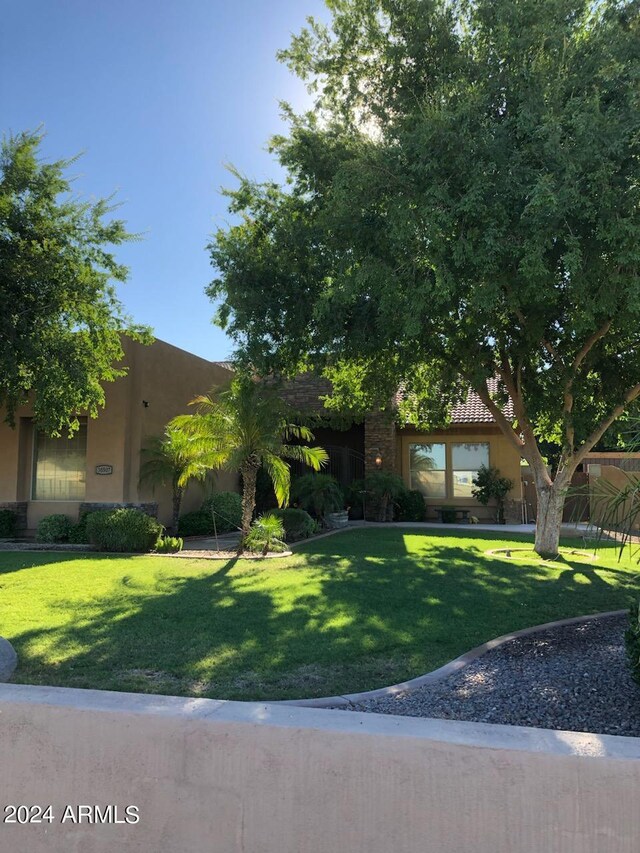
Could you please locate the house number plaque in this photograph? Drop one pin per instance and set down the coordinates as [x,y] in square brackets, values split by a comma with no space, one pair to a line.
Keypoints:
[104,469]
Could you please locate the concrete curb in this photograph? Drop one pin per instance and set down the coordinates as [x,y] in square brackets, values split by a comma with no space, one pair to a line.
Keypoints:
[349,699]
[8,659]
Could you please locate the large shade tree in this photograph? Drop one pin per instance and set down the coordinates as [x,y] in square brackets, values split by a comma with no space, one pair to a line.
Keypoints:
[461,204]
[243,427]
[61,321]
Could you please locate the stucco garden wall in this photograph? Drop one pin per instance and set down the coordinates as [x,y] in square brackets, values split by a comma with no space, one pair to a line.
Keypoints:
[223,777]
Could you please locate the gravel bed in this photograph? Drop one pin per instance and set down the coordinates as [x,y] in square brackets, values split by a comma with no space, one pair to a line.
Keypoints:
[573,678]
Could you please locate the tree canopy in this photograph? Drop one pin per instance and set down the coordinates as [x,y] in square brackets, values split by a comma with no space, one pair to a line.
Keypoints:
[61,321]
[462,203]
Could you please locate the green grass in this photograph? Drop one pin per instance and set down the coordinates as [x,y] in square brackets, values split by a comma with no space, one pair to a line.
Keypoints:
[355,611]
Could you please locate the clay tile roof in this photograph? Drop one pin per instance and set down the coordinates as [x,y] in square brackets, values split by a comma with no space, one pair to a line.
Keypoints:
[474,411]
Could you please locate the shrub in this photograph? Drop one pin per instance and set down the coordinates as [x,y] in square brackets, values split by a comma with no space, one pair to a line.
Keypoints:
[319,493]
[410,506]
[53,528]
[632,641]
[227,507]
[298,524]
[197,523]
[489,484]
[266,534]
[383,488]
[8,520]
[122,530]
[169,544]
[353,499]
[78,532]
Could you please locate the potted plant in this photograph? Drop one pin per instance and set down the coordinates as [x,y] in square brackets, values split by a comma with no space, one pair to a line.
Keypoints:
[489,484]
[321,495]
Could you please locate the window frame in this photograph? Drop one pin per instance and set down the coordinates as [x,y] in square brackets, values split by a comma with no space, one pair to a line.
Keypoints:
[34,460]
[448,442]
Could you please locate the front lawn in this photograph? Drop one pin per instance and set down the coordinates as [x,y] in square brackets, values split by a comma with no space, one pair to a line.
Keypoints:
[355,611]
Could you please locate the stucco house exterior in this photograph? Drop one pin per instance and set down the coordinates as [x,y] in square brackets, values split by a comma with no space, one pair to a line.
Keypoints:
[100,464]
[40,476]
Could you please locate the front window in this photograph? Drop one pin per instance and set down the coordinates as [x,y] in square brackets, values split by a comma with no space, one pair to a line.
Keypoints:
[428,467]
[59,466]
[466,459]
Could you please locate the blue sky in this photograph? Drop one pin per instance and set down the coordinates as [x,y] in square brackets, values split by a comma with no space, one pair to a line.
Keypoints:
[159,95]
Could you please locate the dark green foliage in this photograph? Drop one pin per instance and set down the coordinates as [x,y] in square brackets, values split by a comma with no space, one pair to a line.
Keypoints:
[7,523]
[265,496]
[61,321]
[54,528]
[488,485]
[632,641]
[78,531]
[318,493]
[410,506]
[169,544]
[298,524]
[354,499]
[196,523]
[266,534]
[382,489]
[227,507]
[122,529]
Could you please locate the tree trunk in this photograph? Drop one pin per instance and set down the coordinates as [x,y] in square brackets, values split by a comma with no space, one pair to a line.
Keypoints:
[249,473]
[551,498]
[177,502]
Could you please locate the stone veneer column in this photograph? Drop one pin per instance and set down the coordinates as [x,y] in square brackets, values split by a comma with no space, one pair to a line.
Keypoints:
[380,436]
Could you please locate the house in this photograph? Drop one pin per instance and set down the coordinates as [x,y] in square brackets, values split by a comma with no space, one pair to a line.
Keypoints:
[439,464]
[100,465]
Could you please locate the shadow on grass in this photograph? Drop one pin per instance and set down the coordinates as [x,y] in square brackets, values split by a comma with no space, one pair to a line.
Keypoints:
[351,612]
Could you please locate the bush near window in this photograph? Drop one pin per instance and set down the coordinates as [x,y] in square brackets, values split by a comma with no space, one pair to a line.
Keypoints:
[227,507]
[298,524]
[78,531]
[7,523]
[489,484]
[632,641]
[169,544]
[410,506]
[128,530]
[54,528]
[198,523]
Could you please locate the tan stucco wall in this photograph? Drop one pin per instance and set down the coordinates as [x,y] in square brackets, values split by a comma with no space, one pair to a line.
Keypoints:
[227,777]
[163,375]
[600,496]
[501,455]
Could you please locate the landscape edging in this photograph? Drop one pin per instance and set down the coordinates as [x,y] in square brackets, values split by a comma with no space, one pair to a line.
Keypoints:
[348,699]
[8,660]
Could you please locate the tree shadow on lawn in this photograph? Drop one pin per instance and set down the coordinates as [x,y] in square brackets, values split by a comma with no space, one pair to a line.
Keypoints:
[333,623]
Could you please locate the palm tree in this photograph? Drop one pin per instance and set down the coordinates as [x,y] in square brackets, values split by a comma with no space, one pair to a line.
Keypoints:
[244,426]
[172,459]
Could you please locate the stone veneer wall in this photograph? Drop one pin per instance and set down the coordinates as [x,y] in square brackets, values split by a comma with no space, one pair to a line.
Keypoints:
[20,509]
[380,436]
[150,508]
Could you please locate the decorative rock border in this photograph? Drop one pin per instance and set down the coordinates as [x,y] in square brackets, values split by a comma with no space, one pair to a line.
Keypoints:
[8,659]
[348,699]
